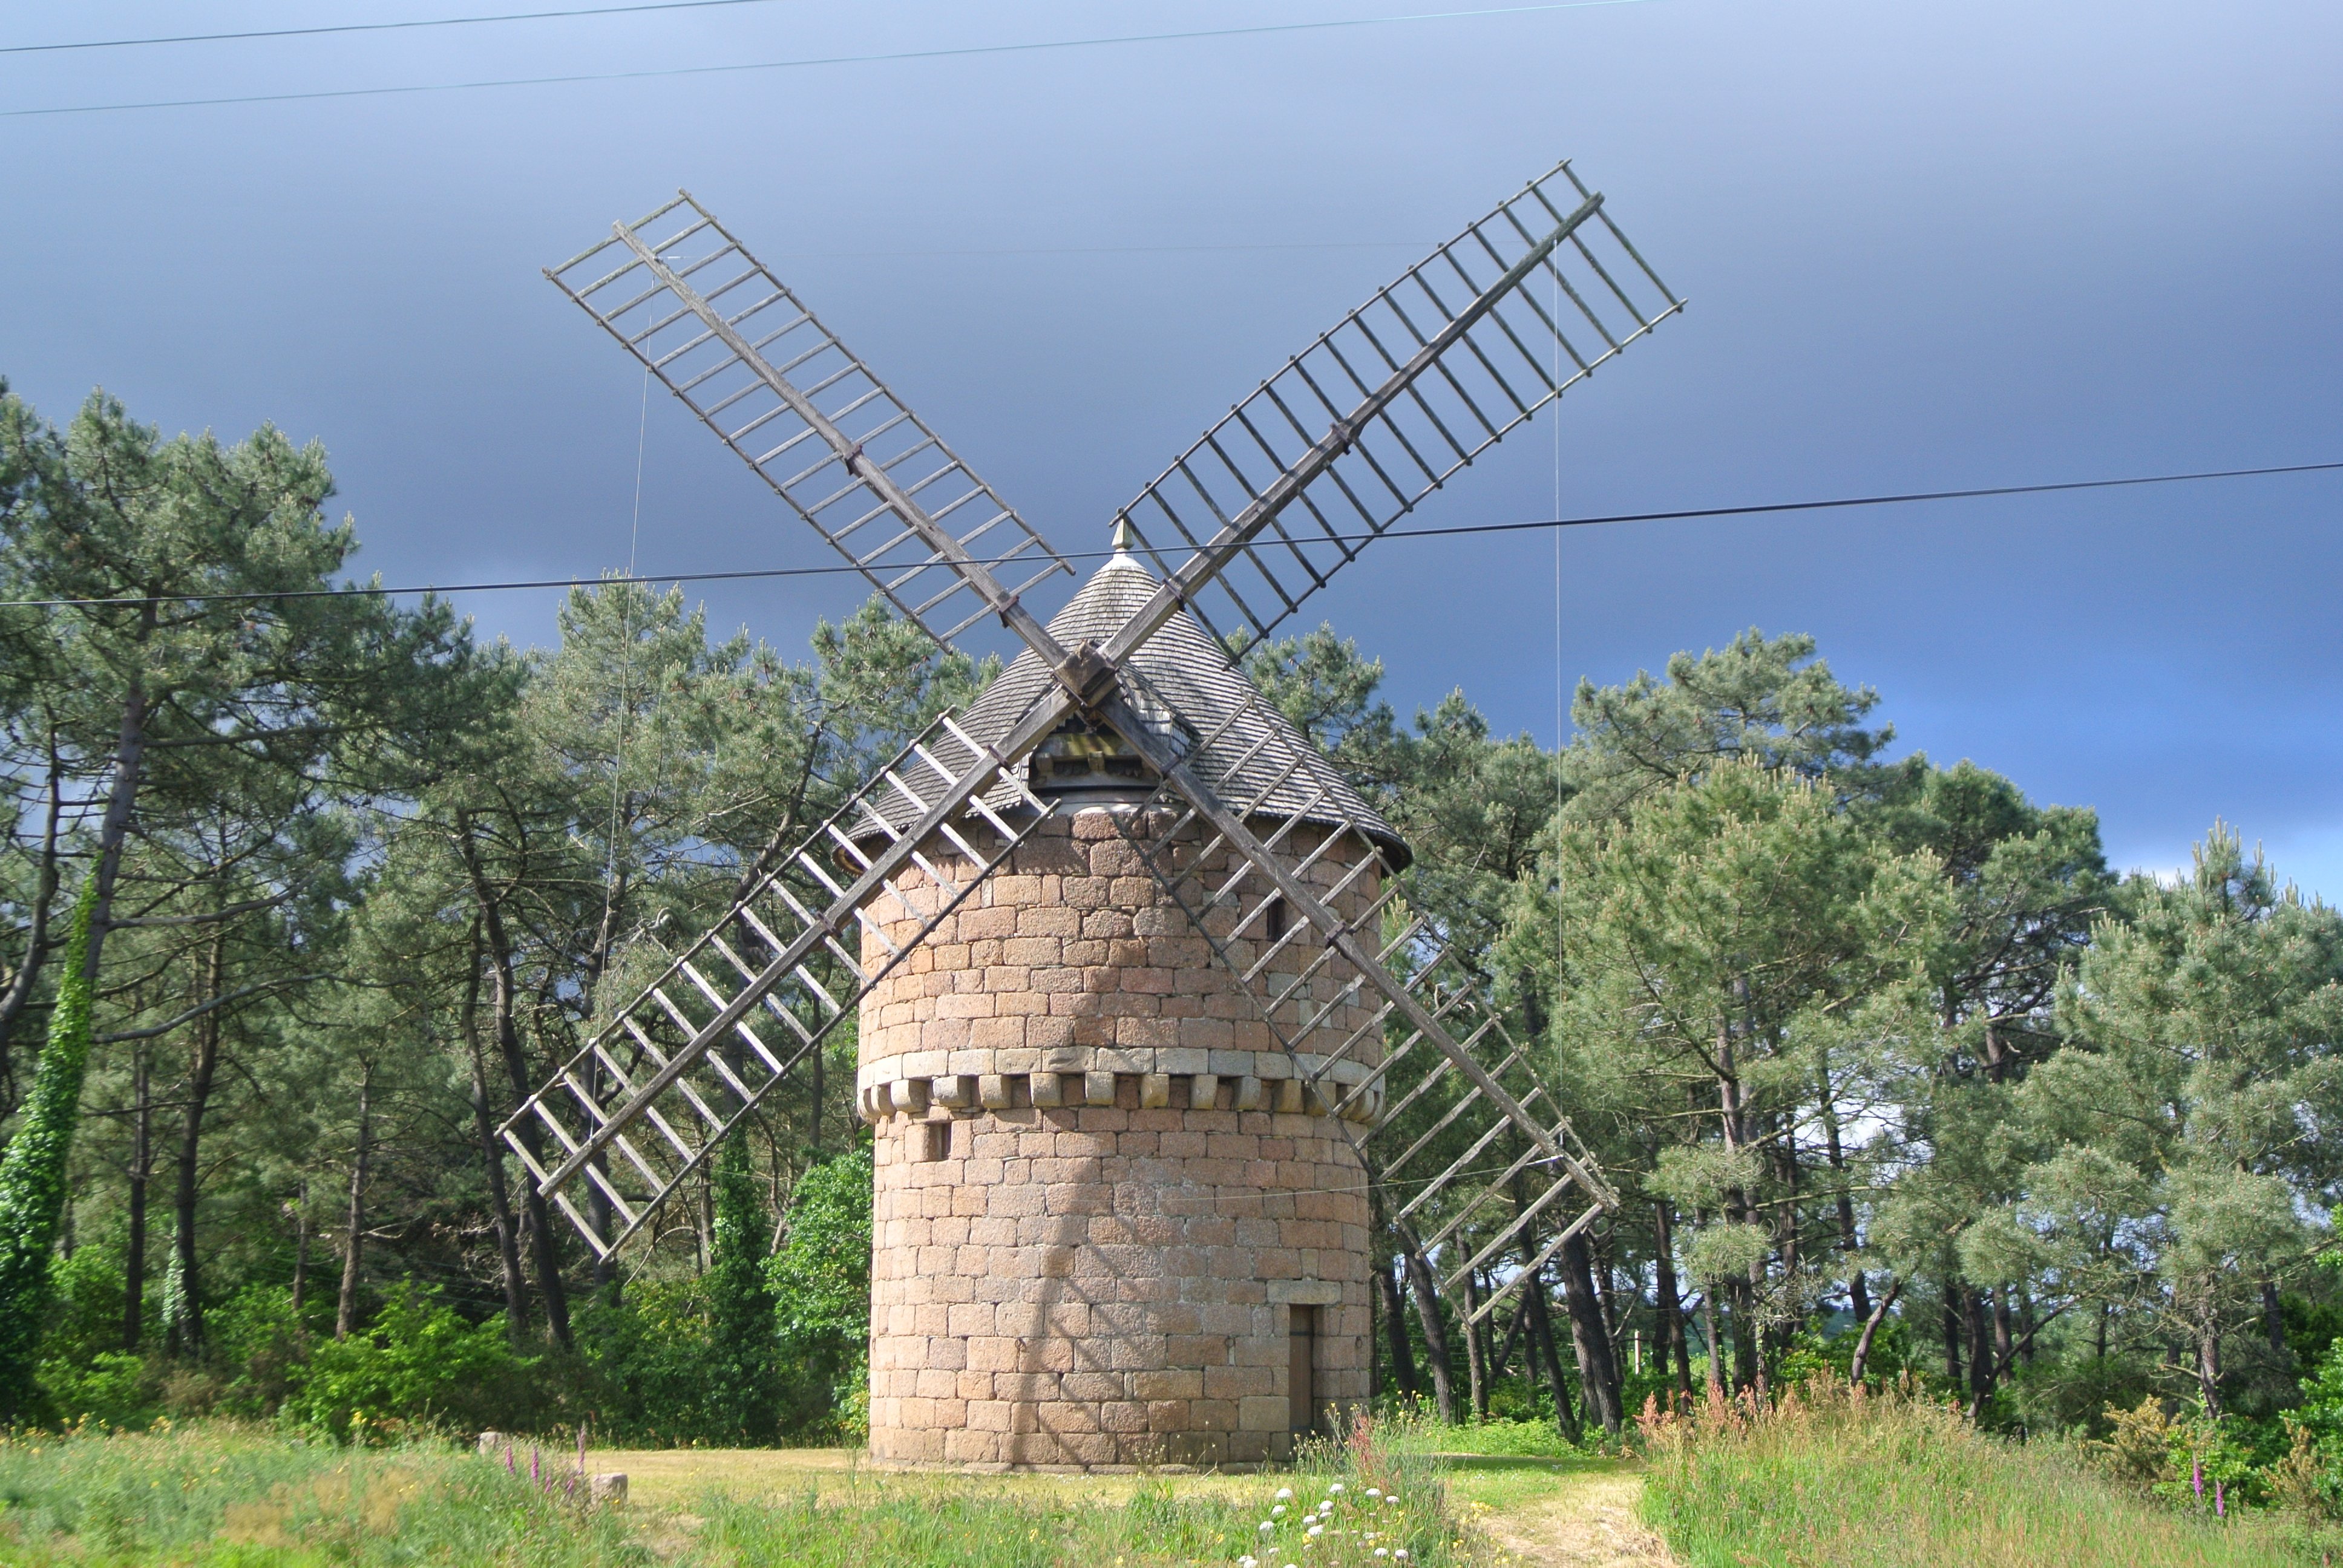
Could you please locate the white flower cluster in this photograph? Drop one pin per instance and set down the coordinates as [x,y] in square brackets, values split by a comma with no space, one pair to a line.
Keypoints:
[1315,1523]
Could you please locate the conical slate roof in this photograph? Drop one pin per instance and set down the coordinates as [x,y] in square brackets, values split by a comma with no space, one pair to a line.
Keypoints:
[1184,669]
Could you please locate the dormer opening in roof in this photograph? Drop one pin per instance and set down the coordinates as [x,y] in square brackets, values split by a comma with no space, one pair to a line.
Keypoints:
[1088,759]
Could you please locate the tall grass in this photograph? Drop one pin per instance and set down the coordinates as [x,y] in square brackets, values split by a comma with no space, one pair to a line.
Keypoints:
[220,1496]
[1830,1479]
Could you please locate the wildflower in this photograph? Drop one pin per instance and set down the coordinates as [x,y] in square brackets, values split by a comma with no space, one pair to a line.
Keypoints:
[1317,1530]
[2197,1477]
[1374,1491]
[1336,1488]
[1285,1494]
[1248,1560]
[1266,1527]
[2220,1500]
[1383,1550]
[1400,1556]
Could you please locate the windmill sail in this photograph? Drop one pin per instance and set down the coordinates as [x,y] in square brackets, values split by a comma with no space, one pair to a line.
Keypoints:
[1468,1149]
[1379,412]
[777,386]
[636,1109]
[1351,434]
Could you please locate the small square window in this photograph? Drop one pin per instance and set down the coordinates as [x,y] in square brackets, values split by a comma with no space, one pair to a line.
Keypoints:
[931,1140]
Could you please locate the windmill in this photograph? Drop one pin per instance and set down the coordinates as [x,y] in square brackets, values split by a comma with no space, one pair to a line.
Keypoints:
[1152,1037]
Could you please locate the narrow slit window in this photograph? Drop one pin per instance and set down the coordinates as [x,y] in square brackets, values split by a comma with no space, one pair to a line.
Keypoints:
[1277,918]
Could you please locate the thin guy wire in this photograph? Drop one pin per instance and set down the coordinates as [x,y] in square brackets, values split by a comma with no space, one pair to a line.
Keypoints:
[418,24]
[885,57]
[626,660]
[1679,515]
[1561,734]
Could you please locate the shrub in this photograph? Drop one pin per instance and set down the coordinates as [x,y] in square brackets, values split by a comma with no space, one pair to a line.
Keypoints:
[418,1363]
[820,1283]
[647,1363]
[113,1389]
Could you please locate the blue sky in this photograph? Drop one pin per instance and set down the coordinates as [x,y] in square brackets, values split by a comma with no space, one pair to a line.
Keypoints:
[1925,245]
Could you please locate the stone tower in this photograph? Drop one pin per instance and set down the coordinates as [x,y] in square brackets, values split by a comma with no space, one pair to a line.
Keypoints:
[1112,1226]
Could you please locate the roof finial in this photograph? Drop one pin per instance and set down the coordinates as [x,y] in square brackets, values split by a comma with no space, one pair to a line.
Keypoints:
[1122,536]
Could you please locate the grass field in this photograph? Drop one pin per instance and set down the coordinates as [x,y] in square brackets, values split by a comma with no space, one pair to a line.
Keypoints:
[1878,1485]
[1887,1483]
[219,1496]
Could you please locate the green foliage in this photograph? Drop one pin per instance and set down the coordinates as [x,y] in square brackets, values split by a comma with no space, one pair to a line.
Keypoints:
[1769,701]
[33,1172]
[418,1367]
[743,1348]
[112,1389]
[821,1284]
[648,1361]
[1500,1438]
[85,1314]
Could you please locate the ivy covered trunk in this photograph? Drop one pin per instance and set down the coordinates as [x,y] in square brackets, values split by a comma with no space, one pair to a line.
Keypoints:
[33,1173]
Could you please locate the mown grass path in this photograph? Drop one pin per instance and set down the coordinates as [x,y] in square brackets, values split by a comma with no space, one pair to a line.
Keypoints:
[1545,1513]
[1557,1512]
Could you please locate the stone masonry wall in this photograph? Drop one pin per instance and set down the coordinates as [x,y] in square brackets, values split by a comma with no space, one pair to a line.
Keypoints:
[1102,1189]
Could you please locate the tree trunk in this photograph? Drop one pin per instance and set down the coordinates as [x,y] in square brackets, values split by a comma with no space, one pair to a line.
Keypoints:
[1672,1346]
[2208,1365]
[121,802]
[2273,1320]
[2003,1345]
[1748,1363]
[345,1311]
[492,1158]
[1598,1371]
[201,1075]
[502,1004]
[19,990]
[1858,1295]
[1426,1296]
[142,1171]
[1980,1348]
[1566,1417]
[1475,1366]
[1952,1332]
[300,1244]
[814,1122]
[1402,1350]
[1871,1322]
[1715,1356]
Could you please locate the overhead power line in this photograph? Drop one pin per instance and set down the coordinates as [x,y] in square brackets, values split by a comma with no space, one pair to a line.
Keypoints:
[1682,513]
[416,24]
[880,57]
